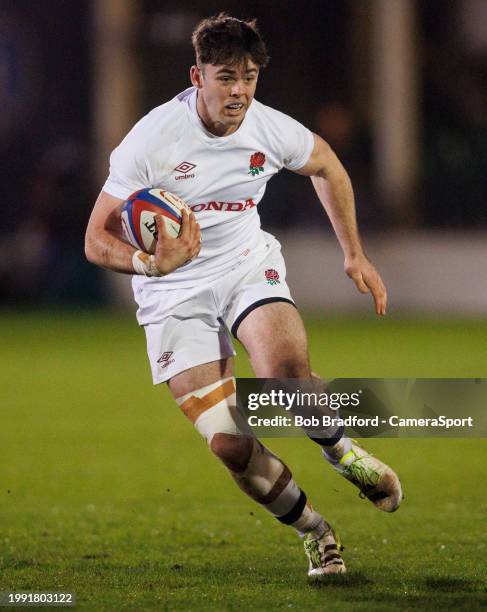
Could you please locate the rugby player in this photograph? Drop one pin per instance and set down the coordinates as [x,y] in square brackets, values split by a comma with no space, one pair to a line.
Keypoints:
[216,147]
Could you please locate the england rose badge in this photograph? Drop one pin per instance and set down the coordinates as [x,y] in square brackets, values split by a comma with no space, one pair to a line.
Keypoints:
[272,276]
[257,161]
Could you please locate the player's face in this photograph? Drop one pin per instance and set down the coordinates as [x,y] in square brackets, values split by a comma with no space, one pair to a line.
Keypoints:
[225,92]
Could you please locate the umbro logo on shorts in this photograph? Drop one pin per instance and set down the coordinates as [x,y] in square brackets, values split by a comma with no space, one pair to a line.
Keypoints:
[165,359]
[184,167]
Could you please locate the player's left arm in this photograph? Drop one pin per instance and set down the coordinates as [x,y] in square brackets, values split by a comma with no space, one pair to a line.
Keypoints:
[334,189]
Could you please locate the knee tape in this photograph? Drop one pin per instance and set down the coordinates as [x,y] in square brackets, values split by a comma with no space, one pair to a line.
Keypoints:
[213,409]
[268,480]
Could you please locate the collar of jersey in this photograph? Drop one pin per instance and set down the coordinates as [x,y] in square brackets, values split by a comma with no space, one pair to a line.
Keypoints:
[203,133]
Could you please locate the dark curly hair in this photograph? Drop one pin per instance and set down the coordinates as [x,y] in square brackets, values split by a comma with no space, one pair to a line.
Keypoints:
[223,39]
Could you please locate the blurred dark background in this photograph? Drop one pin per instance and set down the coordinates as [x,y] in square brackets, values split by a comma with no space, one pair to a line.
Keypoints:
[57,107]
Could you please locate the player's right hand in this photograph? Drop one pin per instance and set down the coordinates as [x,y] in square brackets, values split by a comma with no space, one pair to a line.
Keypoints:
[172,253]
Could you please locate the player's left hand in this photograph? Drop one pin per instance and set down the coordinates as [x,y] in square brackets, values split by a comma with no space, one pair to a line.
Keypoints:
[366,278]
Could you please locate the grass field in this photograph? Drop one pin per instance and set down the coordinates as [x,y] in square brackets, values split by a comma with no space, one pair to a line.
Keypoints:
[106,490]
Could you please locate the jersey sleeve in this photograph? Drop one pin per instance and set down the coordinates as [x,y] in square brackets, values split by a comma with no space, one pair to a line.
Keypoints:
[297,145]
[128,170]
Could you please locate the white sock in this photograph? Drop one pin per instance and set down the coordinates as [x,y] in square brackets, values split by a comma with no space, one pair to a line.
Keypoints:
[333,454]
[317,531]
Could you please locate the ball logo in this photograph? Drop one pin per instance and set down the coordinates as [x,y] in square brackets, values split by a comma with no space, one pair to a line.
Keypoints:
[151,227]
[257,161]
[272,276]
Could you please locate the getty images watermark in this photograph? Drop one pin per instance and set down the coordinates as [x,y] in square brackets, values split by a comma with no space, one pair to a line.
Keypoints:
[366,407]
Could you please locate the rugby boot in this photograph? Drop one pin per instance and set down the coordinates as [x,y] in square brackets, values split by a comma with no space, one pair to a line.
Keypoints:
[323,553]
[375,480]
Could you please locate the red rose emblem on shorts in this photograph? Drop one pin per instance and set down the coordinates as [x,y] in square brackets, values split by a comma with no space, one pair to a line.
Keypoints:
[272,276]
[257,161]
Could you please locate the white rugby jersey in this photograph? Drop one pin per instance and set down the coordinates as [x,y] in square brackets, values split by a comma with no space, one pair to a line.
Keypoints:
[221,178]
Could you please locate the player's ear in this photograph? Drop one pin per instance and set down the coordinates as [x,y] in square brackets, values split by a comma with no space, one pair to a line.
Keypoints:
[195,74]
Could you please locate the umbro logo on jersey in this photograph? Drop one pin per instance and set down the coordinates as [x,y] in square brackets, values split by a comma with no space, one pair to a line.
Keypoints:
[184,167]
[165,359]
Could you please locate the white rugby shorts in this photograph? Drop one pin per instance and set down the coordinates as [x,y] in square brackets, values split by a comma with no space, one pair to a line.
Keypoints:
[188,327]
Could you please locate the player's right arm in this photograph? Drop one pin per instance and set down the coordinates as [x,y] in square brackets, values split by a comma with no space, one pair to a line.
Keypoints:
[104,245]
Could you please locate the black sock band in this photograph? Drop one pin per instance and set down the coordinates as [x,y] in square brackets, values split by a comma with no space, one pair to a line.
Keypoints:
[330,441]
[297,510]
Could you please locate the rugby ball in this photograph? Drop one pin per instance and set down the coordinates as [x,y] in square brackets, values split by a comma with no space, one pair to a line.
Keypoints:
[138,212]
